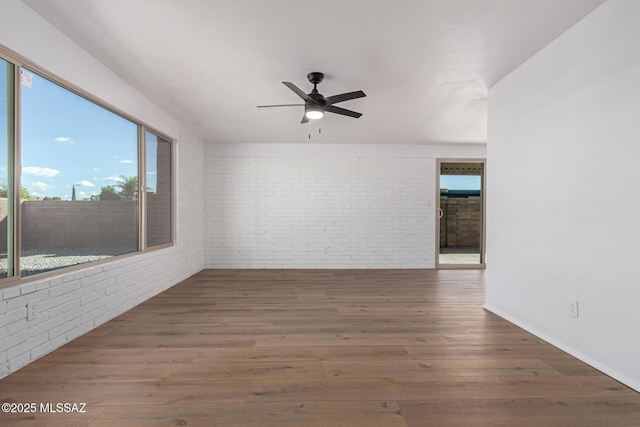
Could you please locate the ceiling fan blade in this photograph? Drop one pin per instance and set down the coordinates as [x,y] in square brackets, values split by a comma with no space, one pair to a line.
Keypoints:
[305,119]
[297,90]
[280,105]
[344,97]
[342,111]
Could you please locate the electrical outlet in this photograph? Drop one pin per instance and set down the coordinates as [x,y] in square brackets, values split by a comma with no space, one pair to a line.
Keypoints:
[573,307]
[32,311]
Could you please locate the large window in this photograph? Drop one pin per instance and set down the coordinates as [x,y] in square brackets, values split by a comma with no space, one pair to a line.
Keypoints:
[79,179]
[88,178]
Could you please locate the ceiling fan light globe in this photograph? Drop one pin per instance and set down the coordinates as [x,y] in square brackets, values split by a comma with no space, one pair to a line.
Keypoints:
[314,114]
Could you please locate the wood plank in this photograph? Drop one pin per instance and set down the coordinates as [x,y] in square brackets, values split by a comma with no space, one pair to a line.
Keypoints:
[55,373]
[128,393]
[522,412]
[264,353]
[114,356]
[187,339]
[438,368]
[350,339]
[405,389]
[287,414]
[557,387]
[487,350]
[306,390]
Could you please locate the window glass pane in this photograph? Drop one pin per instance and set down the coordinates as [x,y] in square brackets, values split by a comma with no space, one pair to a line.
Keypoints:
[158,164]
[6,175]
[79,179]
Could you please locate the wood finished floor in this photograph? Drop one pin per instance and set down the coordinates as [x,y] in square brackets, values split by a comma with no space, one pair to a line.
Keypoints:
[318,348]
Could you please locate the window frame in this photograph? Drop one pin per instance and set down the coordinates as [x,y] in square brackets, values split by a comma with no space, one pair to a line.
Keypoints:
[18,62]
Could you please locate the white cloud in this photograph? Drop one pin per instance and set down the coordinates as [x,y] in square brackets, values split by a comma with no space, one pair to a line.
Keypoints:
[66,139]
[113,178]
[128,162]
[85,183]
[41,187]
[83,195]
[38,171]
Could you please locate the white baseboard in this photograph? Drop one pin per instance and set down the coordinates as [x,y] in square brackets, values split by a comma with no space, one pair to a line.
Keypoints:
[613,373]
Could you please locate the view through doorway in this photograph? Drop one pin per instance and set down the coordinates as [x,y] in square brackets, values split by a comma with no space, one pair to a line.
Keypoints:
[461,214]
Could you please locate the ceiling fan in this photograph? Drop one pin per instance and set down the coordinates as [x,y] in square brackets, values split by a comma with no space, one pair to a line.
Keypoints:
[315,104]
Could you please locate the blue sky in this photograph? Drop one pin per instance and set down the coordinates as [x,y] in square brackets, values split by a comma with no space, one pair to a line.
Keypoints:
[68,141]
[460,182]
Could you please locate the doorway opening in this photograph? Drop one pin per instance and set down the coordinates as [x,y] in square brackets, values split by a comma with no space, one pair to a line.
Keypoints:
[461,214]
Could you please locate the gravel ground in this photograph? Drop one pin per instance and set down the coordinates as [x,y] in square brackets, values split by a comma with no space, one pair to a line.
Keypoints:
[38,261]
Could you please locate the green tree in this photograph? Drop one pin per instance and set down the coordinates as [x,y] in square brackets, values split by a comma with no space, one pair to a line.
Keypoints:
[128,188]
[24,193]
[108,193]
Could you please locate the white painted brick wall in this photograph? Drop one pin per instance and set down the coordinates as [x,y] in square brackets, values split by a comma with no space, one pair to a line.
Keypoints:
[74,303]
[320,212]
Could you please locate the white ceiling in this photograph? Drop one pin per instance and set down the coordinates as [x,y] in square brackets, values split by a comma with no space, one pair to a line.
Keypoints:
[424,65]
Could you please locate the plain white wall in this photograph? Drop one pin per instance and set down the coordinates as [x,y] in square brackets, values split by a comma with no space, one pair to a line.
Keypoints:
[72,303]
[323,206]
[564,192]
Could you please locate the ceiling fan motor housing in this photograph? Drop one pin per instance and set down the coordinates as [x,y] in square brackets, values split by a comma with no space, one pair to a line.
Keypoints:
[316,98]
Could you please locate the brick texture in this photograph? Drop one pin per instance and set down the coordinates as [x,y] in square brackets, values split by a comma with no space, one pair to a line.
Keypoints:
[461,223]
[319,212]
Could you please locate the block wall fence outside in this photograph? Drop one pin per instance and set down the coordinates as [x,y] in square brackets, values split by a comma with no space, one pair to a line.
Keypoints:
[320,212]
[78,224]
[461,222]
